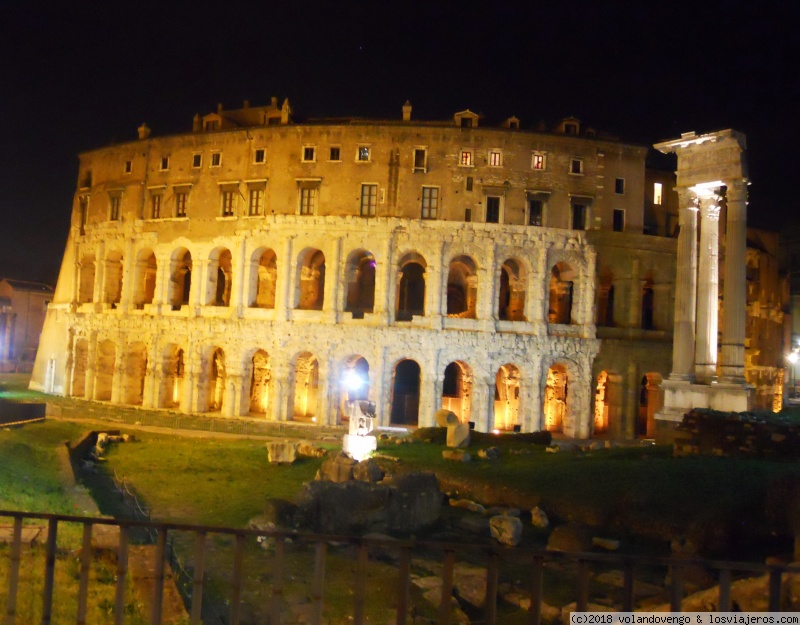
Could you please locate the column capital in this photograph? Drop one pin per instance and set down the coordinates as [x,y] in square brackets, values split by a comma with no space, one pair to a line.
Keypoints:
[737,191]
[709,209]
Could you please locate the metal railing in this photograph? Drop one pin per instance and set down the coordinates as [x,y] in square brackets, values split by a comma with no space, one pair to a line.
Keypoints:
[534,562]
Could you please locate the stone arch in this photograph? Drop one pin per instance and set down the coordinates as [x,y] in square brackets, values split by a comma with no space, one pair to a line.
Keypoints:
[354,384]
[260,382]
[310,290]
[605,298]
[608,403]
[359,278]
[562,283]
[220,276]
[134,374]
[457,390]
[180,278]
[462,287]
[263,278]
[511,294]
[112,286]
[215,392]
[86,279]
[80,363]
[305,394]
[651,400]
[144,278]
[556,407]
[104,370]
[411,287]
[506,398]
[405,393]
[173,368]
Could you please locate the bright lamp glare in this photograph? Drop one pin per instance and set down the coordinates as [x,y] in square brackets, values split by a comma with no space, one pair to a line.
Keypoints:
[353,381]
[792,357]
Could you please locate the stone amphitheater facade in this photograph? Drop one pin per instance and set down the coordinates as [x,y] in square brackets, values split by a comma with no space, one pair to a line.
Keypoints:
[256,266]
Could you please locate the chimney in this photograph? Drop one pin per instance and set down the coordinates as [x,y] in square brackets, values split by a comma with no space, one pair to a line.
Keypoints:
[286,112]
[246,104]
[274,102]
[144,131]
[219,108]
[197,123]
[407,111]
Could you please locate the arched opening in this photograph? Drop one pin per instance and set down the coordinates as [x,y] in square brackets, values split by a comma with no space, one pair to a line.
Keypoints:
[608,404]
[80,361]
[260,379]
[555,398]
[112,289]
[86,280]
[405,393]
[172,370]
[105,360]
[354,385]
[306,388]
[216,380]
[144,280]
[462,288]
[651,400]
[511,296]
[411,287]
[648,297]
[263,279]
[457,390]
[180,282]
[135,371]
[506,398]
[220,276]
[601,404]
[360,280]
[562,278]
[310,280]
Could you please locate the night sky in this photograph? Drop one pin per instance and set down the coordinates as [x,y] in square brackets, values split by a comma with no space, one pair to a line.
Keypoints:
[77,76]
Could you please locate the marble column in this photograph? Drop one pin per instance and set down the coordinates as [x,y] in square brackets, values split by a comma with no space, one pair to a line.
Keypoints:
[735,303]
[705,359]
[686,290]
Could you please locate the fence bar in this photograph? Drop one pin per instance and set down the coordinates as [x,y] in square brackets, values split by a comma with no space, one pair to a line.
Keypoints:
[404,574]
[360,584]
[318,582]
[537,575]
[277,581]
[583,586]
[236,581]
[13,574]
[445,607]
[627,586]
[676,590]
[49,570]
[774,590]
[158,577]
[122,574]
[724,591]
[86,563]
[490,602]
[197,578]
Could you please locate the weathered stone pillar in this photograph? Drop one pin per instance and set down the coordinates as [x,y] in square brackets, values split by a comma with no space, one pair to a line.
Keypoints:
[120,373]
[705,364]
[324,390]
[232,399]
[332,283]
[239,274]
[531,390]
[427,398]
[280,384]
[635,296]
[483,403]
[735,306]
[686,290]
[153,375]
[284,289]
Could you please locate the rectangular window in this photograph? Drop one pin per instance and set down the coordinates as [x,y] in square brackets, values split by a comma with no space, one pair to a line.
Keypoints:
[467,158]
[468,215]
[211,125]
[469,183]
[537,161]
[114,207]
[363,154]
[619,186]
[335,153]
[576,166]
[197,160]
[579,216]
[308,200]
[180,203]
[430,202]
[256,203]
[164,163]
[535,212]
[420,159]
[216,159]
[657,191]
[369,199]
[128,166]
[495,158]
[84,208]
[619,220]
[309,154]
[226,199]
[155,206]
[260,155]
[492,209]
